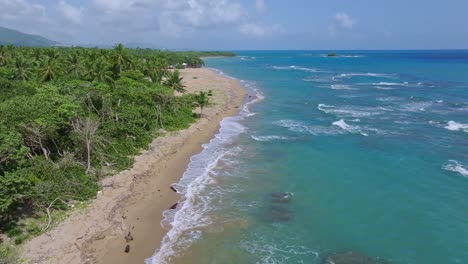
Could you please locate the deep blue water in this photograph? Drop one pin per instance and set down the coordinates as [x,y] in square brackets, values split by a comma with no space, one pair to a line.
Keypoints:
[372,146]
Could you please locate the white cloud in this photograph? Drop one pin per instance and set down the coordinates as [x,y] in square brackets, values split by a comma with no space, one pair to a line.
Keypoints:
[71,13]
[259,30]
[341,21]
[17,10]
[104,21]
[260,5]
[344,20]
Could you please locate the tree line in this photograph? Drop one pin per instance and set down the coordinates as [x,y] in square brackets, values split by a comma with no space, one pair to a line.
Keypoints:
[69,116]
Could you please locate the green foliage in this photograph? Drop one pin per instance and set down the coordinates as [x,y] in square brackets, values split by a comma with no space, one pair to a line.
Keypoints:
[67,114]
[202,100]
[14,191]
[174,81]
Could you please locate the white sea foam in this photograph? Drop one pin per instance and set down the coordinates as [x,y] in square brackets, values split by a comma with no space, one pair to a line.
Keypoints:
[456,166]
[269,138]
[383,88]
[416,106]
[349,111]
[390,84]
[267,251]
[301,127]
[293,67]
[367,74]
[385,109]
[187,220]
[454,126]
[349,128]
[341,87]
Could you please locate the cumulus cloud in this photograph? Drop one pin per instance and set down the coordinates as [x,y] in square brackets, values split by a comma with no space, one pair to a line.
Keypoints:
[71,13]
[341,21]
[103,21]
[344,20]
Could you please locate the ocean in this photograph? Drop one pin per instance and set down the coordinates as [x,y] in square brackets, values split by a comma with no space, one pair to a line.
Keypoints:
[365,152]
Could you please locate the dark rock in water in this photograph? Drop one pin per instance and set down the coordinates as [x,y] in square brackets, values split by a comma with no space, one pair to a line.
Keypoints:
[281,197]
[350,257]
[333,54]
[127,248]
[279,213]
[173,189]
[174,206]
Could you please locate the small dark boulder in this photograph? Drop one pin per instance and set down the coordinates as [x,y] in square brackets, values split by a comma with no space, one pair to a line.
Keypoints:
[127,249]
[332,54]
[174,206]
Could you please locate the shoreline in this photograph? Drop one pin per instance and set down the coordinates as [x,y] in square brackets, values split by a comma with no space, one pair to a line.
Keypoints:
[133,201]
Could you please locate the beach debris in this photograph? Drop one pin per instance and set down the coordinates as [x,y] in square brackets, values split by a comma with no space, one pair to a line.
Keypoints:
[173,189]
[127,249]
[129,237]
[174,206]
[350,257]
[281,197]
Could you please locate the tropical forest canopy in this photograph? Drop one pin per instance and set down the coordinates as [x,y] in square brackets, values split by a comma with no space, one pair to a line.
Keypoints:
[69,116]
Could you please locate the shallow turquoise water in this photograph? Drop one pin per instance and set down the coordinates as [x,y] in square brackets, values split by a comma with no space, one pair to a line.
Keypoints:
[373,148]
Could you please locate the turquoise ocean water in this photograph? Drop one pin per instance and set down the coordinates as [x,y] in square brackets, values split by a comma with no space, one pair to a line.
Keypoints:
[372,147]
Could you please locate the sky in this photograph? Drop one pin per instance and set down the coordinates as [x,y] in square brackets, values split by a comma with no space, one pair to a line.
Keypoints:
[245,24]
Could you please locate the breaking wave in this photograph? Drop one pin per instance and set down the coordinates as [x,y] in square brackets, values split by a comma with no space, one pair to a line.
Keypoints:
[454,126]
[456,166]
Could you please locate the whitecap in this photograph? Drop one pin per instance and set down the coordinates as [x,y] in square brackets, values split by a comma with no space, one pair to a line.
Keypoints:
[367,74]
[301,127]
[383,88]
[268,138]
[456,166]
[454,126]
[349,128]
[294,67]
[341,87]
[390,84]
[348,111]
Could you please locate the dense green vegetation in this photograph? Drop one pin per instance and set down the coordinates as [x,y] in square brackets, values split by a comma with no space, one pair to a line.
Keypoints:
[69,116]
[14,37]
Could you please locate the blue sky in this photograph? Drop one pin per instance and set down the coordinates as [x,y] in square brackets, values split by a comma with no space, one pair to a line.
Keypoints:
[246,24]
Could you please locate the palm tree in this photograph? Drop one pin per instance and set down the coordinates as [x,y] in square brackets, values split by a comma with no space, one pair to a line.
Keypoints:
[174,81]
[120,57]
[4,56]
[100,71]
[74,65]
[202,100]
[22,69]
[49,69]
[154,69]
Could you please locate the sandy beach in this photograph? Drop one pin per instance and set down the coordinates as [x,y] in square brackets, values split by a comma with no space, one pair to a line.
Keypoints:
[134,200]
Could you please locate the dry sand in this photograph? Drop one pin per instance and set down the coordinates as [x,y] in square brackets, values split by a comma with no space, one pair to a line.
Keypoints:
[134,200]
